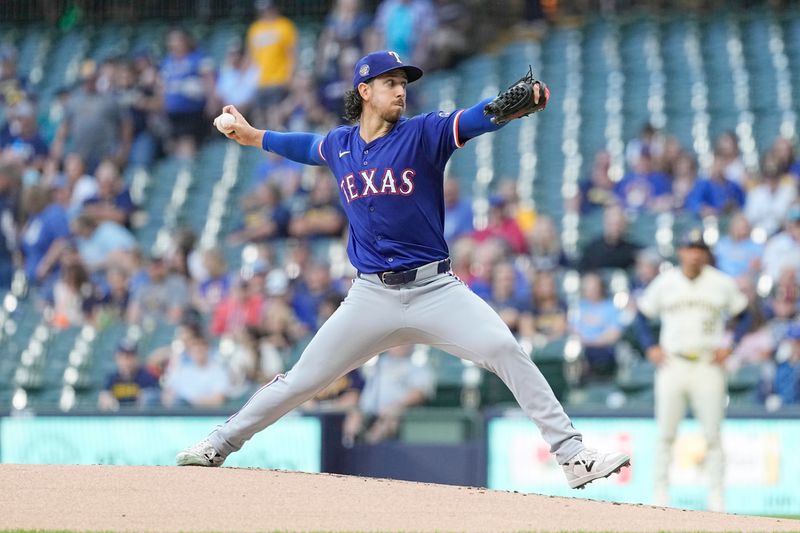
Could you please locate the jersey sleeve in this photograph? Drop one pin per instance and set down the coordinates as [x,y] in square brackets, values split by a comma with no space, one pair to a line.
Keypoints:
[439,132]
[649,302]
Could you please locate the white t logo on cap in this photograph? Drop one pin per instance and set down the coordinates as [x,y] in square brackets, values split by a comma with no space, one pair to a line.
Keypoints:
[397,57]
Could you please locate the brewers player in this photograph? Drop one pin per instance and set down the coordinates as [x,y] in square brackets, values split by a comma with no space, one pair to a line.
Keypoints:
[693,303]
[390,172]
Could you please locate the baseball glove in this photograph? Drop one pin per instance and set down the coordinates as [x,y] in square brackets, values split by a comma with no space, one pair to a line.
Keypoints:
[518,100]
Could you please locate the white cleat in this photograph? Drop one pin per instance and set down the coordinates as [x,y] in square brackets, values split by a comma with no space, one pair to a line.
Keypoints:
[589,465]
[201,454]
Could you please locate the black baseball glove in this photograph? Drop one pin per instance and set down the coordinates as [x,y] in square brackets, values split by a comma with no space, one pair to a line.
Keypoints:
[519,100]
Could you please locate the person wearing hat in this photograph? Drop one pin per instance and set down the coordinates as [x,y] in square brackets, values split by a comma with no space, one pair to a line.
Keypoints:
[389,173]
[782,251]
[130,384]
[693,302]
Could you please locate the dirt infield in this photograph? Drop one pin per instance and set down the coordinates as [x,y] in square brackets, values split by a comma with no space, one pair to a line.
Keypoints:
[116,498]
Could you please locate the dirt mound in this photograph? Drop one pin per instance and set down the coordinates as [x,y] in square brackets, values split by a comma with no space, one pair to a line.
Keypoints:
[135,498]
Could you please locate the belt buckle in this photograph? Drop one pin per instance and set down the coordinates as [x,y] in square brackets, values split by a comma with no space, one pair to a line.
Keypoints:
[382,276]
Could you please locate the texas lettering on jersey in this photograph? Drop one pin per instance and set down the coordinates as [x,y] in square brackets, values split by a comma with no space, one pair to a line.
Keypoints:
[375,182]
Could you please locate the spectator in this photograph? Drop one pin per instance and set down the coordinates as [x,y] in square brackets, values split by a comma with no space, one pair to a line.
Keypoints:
[612,249]
[95,125]
[323,215]
[768,202]
[280,328]
[596,191]
[457,212]
[187,78]
[503,297]
[782,310]
[265,218]
[238,80]
[396,384]
[100,244]
[684,179]
[597,323]
[45,226]
[344,30]
[648,263]
[135,89]
[726,151]
[195,376]
[452,39]
[76,184]
[783,150]
[783,250]
[300,109]
[112,202]
[13,87]
[548,316]
[649,141]
[109,301]
[69,294]
[736,253]
[406,27]
[161,298]
[20,139]
[9,206]
[130,385]
[544,245]
[503,226]
[643,188]
[715,195]
[240,309]
[758,344]
[523,214]
[215,284]
[783,381]
[309,293]
[271,43]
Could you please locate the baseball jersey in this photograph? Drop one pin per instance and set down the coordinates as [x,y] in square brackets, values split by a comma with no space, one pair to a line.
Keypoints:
[392,190]
[692,312]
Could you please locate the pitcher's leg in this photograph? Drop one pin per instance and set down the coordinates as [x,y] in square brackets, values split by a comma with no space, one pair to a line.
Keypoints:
[361,327]
[670,407]
[707,396]
[459,322]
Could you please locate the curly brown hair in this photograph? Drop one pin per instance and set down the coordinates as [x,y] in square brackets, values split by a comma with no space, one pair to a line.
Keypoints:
[352,106]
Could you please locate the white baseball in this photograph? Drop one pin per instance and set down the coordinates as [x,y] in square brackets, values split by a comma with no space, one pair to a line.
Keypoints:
[225,122]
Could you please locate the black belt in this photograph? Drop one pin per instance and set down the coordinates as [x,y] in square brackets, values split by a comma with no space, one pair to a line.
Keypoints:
[407,276]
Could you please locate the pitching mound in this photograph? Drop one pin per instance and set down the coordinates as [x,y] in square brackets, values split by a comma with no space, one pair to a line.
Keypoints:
[113,498]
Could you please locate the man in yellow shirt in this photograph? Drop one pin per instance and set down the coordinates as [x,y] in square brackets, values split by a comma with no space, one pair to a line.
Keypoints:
[271,42]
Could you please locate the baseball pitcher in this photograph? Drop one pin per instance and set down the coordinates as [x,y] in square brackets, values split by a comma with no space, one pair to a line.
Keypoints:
[390,173]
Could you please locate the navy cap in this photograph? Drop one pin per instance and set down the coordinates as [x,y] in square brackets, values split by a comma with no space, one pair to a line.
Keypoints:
[694,239]
[377,63]
[127,346]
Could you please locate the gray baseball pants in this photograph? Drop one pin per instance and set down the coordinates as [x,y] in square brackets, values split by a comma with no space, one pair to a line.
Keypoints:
[438,310]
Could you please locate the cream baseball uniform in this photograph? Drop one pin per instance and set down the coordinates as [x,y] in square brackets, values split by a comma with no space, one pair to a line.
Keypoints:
[693,315]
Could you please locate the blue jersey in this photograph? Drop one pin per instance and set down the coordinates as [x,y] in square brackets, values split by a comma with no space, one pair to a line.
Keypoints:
[392,190]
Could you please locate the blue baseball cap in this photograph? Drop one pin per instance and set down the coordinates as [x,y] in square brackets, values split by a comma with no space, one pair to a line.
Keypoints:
[693,239]
[377,63]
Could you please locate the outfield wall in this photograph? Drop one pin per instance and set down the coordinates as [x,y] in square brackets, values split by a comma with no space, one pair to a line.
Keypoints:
[763,468]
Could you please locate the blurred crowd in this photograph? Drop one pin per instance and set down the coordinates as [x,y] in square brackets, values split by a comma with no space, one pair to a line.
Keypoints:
[68,221]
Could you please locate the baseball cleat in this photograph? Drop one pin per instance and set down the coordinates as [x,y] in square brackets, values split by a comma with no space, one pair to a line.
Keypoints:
[201,454]
[589,465]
